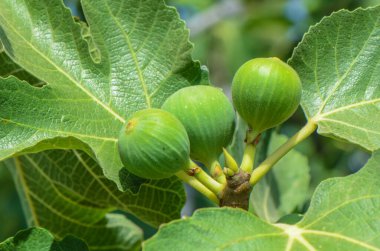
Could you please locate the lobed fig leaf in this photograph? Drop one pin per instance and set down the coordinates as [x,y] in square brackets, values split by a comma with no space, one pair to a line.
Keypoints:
[208,117]
[153,144]
[266,92]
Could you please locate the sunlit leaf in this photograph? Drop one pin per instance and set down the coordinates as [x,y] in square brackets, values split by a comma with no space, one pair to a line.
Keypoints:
[338,61]
[344,215]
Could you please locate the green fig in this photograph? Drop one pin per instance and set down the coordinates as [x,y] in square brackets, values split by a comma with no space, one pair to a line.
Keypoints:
[153,144]
[208,117]
[265,93]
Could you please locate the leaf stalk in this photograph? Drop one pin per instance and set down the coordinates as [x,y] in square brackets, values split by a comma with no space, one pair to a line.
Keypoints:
[272,159]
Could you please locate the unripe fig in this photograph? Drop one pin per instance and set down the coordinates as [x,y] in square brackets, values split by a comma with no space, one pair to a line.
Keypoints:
[265,92]
[153,144]
[208,117]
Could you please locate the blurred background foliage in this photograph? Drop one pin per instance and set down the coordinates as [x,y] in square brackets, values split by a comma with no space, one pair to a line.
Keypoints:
[226,33]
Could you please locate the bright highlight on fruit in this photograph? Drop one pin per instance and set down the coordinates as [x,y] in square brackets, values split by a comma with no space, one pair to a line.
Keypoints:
[153,144]
[265,93]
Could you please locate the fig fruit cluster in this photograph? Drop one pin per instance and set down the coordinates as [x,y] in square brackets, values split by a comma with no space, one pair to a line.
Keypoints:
[197,122]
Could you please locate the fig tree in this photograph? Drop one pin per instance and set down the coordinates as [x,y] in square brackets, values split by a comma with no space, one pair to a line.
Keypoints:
[153,144]
[208,117]
[265,92]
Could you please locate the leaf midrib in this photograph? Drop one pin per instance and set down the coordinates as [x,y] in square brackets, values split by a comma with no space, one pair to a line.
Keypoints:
[134,57]
[345,203]
[339,236]
[298,235]
[350,125]
[343,108]
[61,133]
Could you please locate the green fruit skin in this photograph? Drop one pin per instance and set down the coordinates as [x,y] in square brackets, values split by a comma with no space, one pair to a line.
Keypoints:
[266,92]
[153,144]
[208,117]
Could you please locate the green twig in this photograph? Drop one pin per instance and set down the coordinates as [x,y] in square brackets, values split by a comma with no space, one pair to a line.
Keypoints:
[267,164]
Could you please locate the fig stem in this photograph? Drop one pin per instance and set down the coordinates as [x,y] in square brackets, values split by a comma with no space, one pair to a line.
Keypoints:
[248,158]
[228,172]
[272,159]
[252,136]
[230,162]
[205,179]
[251,139]
[217,172]
[197,185]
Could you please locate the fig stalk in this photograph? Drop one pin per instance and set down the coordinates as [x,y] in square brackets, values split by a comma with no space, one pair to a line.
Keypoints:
[228,172]
[252,139]
[230,162]
[197,185]
[217,172]
[204,178]
[248,158]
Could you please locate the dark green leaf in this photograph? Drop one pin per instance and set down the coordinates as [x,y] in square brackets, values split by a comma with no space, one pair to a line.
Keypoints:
[65,192]
[39,239]
[76,172]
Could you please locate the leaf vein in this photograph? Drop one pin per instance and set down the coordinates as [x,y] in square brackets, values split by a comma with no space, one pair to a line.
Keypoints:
[133,54]
[347,202]
[340,80]
[87,92]
[60,133]
[343,237]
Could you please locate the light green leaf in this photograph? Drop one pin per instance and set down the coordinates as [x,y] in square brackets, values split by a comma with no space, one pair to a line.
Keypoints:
[338,61]
[285,188]
[344,215]
[39,239]
[145,56]
[218,229]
